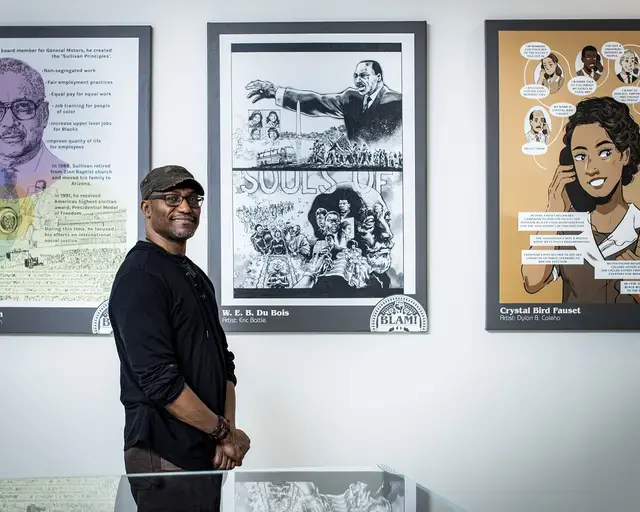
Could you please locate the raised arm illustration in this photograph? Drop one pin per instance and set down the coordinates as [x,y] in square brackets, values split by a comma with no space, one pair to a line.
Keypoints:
[371,111]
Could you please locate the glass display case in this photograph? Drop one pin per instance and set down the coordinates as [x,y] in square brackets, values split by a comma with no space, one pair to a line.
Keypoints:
[377,489]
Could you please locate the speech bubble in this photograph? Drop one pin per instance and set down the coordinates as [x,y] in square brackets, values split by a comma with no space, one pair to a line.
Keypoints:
[553,221]
[534,148]
[534,50]
[555,240]
[549,257]
[534,92]
[582,85]
[630,287]
[618,269]
[562,109]
[627,94]
[612,50]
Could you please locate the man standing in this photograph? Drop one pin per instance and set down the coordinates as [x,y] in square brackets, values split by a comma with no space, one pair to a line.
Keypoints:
[177,372]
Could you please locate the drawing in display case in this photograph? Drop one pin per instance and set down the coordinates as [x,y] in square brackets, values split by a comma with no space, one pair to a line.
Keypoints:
[317,176]
[74,143]
[563,154]
[372,489]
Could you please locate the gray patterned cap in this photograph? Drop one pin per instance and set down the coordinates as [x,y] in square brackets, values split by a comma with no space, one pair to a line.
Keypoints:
[166,178]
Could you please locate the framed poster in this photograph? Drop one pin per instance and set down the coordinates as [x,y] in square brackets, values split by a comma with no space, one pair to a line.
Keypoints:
[74,141]
[318,175]
[563,154]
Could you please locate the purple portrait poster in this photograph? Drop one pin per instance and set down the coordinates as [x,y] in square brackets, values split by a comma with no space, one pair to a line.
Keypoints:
[318,176]
[73,138]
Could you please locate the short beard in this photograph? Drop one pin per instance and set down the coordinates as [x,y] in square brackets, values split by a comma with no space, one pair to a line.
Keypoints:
[167,232]
[180,237]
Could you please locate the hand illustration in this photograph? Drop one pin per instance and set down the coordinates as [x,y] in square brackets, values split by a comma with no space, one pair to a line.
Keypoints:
[630,255]
[260,90]
[558,198]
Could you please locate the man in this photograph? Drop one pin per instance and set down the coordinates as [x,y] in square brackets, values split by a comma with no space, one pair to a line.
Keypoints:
[591,65]
[629,67]
[177,372]
[371,112]
[39,213]
[539,130]
[24,115]
[25,161]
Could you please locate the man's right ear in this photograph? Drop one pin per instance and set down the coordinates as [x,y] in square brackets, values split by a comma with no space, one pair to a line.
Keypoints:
[145,207]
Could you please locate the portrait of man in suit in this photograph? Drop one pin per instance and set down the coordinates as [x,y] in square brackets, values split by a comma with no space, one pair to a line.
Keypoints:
[27,166]
[370,110]
[629,67]
[24,113]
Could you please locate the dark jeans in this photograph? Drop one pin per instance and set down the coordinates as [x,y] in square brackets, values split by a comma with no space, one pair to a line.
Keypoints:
[166,492]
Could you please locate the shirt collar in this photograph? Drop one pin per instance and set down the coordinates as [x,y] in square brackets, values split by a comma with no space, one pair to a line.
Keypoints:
[375,94]
[624,235]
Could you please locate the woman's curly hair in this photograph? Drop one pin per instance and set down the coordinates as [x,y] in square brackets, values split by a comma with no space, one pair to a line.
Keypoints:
[616,119]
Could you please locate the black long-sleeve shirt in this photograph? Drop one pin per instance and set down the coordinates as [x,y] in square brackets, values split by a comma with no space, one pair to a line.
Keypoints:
[167,332]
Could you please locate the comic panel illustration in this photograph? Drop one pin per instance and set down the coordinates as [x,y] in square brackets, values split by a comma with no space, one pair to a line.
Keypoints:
[573,236]
[306,491]
[565,254]
[317,233]
[313,159]
[317,106]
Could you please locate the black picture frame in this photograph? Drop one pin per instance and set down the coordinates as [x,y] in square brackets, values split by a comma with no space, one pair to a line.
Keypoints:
[578,316]
[87,320]
[319,317]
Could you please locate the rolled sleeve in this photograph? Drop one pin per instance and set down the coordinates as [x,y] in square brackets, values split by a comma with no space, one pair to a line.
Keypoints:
[230,365]
[140,311]
[229,357]
[280,96]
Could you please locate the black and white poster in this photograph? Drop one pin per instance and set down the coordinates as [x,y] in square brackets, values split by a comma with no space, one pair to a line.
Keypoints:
[317,200]
[74,141]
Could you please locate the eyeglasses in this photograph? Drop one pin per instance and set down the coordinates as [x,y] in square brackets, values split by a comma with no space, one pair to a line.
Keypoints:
[21,109]
[175,200]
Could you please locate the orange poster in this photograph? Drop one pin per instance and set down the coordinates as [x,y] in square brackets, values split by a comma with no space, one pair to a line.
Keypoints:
[563,154]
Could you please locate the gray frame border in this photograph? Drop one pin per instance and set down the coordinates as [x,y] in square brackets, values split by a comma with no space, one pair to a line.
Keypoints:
[78,321]
[315,318]
[593,317]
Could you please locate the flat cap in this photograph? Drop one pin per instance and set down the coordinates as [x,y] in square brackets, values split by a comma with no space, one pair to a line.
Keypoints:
[166,178]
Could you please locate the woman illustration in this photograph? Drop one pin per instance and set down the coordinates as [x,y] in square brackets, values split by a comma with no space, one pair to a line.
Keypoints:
[601,156]
[273,134]
[255,121]
[551,73]
[273,121]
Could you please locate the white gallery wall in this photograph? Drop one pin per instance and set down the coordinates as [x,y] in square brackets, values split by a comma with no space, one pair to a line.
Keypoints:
[495,422]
